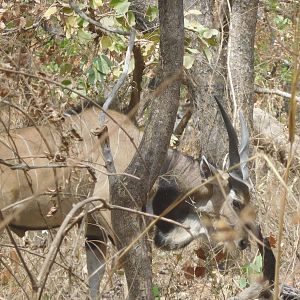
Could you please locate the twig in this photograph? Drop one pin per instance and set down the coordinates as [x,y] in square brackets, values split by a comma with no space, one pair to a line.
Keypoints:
[92,21]
[55,245]
[262,90]
[42,256]
[59,165]
[183,122]
[121,79]
[64,87]
[67,224]
[14,276]
[8,31]
[42,137]
[104,142]
[292,126]
[30,275]
[117,207]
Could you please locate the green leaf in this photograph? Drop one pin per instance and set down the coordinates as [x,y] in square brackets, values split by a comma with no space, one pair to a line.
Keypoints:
[66,82]
[105,42]
[95,3]
[117,72]
[131,18]
[151,13]
[68,11]
[243,282]
[210,33]
[65,68]
[194,26]
[120,6]
[91,76]
[153,36]
[259,263]
[108,21]
[84,36]
[122,20]
[155,292]
[192,50]
[188,61]
[207,53]
[103,64]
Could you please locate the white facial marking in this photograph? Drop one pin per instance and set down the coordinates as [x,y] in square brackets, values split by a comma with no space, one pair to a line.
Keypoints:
[178,236]
[233,195]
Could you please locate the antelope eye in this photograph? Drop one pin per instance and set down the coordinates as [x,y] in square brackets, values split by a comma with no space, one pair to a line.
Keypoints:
[237,204]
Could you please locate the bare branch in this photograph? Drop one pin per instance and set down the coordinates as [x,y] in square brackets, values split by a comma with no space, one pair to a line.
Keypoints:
[136,85]
[66,225]
[134,211]
[33,280]
[66,268]
[262,90]
[121,79]
[92,21]
[64,87]
[183,122]
[58,165]
[14,276]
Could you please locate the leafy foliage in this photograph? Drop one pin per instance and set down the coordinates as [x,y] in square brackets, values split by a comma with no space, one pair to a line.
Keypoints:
[253,268]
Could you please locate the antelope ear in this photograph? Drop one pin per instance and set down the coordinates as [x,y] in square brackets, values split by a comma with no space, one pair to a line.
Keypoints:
[206,168]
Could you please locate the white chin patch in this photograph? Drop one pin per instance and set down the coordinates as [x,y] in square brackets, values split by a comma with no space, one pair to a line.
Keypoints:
[180,237]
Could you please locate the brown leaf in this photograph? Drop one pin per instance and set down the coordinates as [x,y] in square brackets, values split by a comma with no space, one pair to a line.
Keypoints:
[5,277]
[15,258]
[272,240]
[76,135]
[52,212]
[200,253]
[200,271]
[220,256]
[188,270]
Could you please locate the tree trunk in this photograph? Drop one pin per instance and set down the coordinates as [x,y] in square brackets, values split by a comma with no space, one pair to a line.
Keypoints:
[139,9]
[241,55]
[207,135]
[206,78]
[146,163]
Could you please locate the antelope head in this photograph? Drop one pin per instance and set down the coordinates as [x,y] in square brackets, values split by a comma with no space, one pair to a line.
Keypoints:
[235,211]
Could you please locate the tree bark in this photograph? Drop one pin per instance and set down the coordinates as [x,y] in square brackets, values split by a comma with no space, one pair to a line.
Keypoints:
[147,162]
[206,78]
[207,135]
[241,55]
[139,9]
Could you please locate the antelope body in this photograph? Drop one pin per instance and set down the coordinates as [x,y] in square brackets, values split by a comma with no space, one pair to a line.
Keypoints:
[56,190]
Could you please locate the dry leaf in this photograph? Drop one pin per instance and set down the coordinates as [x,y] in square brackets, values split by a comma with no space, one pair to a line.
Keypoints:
[52,212]
[272,240]
[220,256]
[199,271]
[200,253]
[188,270]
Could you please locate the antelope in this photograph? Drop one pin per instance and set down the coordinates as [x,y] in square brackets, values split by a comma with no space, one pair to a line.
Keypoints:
[205,191]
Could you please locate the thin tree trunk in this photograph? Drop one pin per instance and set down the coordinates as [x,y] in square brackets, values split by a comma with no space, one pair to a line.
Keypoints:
[241,55]
[206,135]
[146,164]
